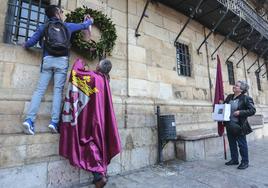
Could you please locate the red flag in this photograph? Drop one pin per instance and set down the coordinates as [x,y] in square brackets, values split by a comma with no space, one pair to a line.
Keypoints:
[219,93]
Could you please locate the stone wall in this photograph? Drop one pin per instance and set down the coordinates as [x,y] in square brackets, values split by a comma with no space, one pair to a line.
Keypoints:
[143,76]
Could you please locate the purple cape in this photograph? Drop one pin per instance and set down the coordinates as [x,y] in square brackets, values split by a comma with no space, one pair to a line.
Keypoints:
[89,136]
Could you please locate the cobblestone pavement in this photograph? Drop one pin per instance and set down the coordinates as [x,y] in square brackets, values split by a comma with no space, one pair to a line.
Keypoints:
[211,173]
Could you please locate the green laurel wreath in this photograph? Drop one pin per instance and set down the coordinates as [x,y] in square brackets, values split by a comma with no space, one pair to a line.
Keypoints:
[91,49]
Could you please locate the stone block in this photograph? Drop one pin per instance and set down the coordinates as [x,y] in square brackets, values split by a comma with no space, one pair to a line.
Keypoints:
[201,94]
[140,157]
[121,34]
[256,134]
[119,5]
[37,150]
[133,20]
[8,69]
[30,149]
[168,63]
[138,87]
[153,154]
[45,108]
[202,82]
[118,87]
[168,48]
[165,91]
[12,156]
[213,146]
[62,174]
[3,7]
[190,150]
[71,5]
[131,37]
[137,70]
[170,13]
[138,137]
[150,42]
[115,166]
[94,4]
[265,130]
[171,25]
[135,120]
[138,54]
[140,108]
[256,119]
[14,54]
[154,73]
[169,151]
[156,31]
[85,176]
[132,7]
[10,124]
[180,150]
[119,18]
[195,150]
[29,176]
[119,50]
[11,107]
[119,70]
[155,18]
[135,158]
[24,75]
[181,92]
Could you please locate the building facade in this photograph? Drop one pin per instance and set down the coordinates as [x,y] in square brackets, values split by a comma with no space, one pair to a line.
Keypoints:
[148,71]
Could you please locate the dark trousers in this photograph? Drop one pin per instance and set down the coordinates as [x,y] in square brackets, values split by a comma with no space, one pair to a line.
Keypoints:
[241,141]
[97,176]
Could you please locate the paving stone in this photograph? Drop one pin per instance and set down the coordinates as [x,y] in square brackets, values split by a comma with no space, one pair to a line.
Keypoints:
[30,176]
[62,174]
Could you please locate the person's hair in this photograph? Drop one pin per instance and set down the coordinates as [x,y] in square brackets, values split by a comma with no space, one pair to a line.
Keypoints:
[52,10]
[105,66]
[243,86]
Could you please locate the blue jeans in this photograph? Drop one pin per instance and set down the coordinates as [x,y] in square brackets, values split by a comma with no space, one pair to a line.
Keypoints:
[56,67]
[243,147]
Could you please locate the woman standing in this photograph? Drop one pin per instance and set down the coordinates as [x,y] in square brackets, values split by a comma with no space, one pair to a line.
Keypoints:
[242,106]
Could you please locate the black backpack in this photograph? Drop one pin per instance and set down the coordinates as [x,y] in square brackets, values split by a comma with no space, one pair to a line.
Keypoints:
[56,38]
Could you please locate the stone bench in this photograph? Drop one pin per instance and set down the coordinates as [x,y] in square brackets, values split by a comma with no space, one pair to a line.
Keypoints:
[199,144]
[257,119]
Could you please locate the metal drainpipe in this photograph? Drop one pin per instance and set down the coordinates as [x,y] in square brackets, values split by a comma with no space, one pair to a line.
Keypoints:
[127,72]
[127,53]
[209,78]
[245,70]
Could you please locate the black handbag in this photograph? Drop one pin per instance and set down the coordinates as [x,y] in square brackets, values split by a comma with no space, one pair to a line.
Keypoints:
[234,128]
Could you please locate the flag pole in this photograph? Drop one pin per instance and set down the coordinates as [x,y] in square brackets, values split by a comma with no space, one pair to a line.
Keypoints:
[224,146]
[219,96]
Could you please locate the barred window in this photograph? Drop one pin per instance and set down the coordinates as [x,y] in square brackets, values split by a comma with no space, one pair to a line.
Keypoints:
[258,80]
[266,72]
[23,18]
[230,69]
[183,60]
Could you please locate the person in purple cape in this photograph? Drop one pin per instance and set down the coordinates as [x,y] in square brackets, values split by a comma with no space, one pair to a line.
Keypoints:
[89,136]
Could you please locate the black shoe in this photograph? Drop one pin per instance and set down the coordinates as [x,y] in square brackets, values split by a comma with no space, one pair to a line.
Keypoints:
[231,162]
[243,166]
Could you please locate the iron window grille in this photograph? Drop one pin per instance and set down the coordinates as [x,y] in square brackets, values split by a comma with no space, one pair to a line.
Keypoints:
[258,80]
[183,60]
[23,18]
[266,65]
[230,69]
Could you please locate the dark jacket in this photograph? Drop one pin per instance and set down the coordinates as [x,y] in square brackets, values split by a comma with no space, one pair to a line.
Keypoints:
[246,108]
[72,27]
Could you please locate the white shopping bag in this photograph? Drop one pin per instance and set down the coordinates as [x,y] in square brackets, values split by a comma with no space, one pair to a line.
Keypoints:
[221,112]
